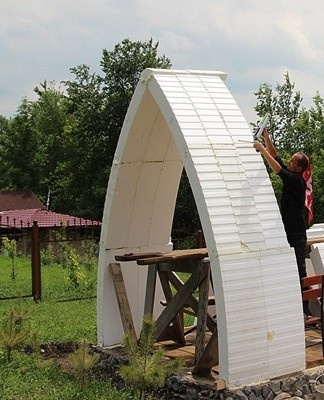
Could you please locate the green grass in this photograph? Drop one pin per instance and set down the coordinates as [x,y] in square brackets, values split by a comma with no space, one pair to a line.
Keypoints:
[22,380]
[59,317]
[55,282]
[53,320]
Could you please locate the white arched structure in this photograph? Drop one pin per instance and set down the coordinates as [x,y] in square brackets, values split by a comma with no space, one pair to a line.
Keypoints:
[189,119]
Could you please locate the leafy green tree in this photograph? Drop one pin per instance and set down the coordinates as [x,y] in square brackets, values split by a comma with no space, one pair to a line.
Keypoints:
[97,106]
[315,124]
[64,142]
[318,189]
[83,170]
[294,128]
[186,221]
[31,143]
[19,150]
[315,134]
[122,68]
[284,106]
[51,119]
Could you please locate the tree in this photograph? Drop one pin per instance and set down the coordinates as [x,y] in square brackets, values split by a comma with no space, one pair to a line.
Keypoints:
[285,123]
[19,150]
[65,143]
[294,128]
[31,143]
[314,128]
[122,68]
[147,366]
[51,121]
[84,170]
[97,106]
[284,107]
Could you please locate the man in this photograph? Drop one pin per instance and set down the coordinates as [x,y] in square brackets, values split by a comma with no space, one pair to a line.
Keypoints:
[292,198]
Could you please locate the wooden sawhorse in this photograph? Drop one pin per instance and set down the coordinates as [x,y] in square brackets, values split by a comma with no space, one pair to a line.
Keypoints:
[179,295]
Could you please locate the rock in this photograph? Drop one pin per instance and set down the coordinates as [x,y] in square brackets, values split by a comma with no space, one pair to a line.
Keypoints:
[282,396]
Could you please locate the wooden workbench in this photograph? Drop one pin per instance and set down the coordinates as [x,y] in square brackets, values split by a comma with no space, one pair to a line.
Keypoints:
[179,295]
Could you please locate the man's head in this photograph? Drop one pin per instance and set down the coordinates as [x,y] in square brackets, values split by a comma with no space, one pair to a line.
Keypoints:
[298,163]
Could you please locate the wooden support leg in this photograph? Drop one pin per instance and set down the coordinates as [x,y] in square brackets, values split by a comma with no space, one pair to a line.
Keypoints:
[192,301]
[202,310]
[209,357]
[150,290]
[178,319]
[179,301]
[122,300]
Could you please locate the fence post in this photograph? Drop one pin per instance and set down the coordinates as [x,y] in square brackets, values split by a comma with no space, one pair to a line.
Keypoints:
[36,270]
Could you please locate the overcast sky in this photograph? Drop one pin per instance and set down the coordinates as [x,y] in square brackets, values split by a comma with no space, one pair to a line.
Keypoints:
[253,41]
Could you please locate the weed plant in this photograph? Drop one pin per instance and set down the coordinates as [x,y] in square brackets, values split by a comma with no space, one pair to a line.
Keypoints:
[147,366]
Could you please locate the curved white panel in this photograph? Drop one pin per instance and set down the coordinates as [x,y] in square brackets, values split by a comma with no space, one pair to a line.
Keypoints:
[190,119]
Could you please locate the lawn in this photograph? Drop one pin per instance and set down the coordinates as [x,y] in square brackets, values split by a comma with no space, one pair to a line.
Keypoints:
[57,318]
[66,314]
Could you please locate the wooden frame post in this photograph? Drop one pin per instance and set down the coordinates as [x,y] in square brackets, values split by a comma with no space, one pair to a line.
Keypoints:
[36,268]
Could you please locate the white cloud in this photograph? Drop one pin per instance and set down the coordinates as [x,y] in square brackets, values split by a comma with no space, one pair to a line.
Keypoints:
[254,41]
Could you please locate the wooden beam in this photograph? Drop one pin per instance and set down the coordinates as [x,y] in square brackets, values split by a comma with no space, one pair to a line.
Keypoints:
[122,300]
[192,302]
[177,321]
[179,300]
[193,254]
[209,357]
[135,256]
[202,311]
[315,240]
[150,290]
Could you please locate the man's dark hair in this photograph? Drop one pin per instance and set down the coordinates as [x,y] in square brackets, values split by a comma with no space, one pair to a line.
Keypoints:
[303,162]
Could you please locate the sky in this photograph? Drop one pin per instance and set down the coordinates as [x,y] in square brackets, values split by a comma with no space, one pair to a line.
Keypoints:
[253,41]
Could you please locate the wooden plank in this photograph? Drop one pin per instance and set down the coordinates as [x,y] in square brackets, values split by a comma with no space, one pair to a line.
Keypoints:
[183,265]
[192,302]
[122,300]
[311,241]
[202,311]
[209,357]
[186,353]
[178,319]
[179,300]
[150,290]
[135,256]
[192,254]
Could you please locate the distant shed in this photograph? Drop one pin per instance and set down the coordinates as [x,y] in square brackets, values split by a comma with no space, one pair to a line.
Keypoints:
[19,200]
[20,209]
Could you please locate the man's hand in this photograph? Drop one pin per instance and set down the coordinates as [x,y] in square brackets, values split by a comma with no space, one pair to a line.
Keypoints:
[265,133]
[259,147]
[273,164]
[268,143]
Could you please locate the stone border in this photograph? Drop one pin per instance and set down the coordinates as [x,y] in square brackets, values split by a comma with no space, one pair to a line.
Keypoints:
[301,385]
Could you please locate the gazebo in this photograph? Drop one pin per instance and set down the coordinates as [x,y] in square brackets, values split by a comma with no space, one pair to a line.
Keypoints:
[188,119]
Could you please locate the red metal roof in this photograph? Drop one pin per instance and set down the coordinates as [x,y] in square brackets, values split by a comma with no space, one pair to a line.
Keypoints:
[19,200]
[44,218]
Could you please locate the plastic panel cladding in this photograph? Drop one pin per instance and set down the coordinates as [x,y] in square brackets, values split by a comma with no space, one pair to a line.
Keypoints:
[189,119]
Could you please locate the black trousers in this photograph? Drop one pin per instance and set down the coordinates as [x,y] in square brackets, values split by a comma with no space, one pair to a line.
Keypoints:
[300,253]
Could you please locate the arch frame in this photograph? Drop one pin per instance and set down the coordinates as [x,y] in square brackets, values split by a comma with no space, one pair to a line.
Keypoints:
[188,119]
